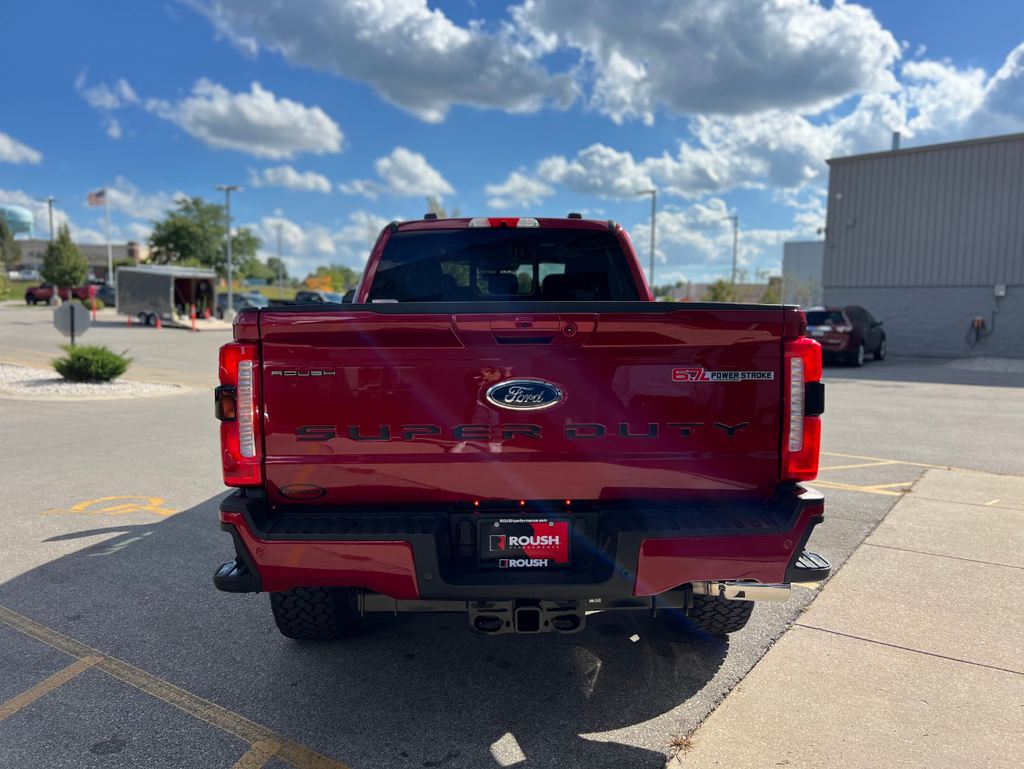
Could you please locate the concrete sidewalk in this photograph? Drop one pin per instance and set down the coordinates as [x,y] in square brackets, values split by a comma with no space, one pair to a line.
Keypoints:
[912,656]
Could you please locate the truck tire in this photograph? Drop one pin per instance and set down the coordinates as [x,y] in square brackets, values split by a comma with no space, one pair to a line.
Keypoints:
[316,613]
[716,615]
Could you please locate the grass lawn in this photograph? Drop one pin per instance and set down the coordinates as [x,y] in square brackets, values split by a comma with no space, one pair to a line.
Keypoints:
[16,288]
[271,292]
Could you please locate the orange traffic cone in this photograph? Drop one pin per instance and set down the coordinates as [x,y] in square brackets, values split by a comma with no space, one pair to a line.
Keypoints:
[158,323]
[129,320]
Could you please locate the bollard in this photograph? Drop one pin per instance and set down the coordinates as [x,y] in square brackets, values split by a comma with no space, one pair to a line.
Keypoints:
[94,310]
[193,319]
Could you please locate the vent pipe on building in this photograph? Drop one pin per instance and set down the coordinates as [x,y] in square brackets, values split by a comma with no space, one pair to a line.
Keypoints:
[895,140]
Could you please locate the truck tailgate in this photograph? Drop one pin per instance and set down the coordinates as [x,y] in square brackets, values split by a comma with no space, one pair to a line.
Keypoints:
[380,405]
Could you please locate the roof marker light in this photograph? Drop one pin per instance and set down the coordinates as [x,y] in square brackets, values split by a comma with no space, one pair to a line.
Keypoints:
[527,221]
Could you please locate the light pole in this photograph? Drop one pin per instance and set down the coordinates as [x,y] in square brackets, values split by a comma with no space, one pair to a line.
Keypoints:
[280,272]
[50,200]
[654,214]
[228,189]
[735,242]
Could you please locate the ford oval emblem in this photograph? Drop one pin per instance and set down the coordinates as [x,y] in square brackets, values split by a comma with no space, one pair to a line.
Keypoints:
[524,394]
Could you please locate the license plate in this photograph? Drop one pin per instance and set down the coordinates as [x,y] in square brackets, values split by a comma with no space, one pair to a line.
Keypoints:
[524,543]
[817,333]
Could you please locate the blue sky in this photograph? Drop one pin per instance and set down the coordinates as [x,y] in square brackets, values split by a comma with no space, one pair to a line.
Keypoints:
[337,116]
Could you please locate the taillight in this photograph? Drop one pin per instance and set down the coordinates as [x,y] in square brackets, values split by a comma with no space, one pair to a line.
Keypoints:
[801,442]
[240,445]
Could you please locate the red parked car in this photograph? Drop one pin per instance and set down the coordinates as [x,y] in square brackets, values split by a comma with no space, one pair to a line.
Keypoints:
[42,294]
[504,424]
[846,334]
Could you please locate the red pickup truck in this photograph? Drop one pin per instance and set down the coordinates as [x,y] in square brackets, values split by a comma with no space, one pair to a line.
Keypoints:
[43,293]
[503,423]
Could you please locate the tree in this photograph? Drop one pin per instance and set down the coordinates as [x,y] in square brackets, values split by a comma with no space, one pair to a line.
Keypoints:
[273,263]
[193,234]
[10,249]
[434,207]
[63,263]
[722,291]
[335,277]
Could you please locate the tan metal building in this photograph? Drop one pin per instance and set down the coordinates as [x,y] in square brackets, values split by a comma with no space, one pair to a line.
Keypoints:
[95,254]
[931,241]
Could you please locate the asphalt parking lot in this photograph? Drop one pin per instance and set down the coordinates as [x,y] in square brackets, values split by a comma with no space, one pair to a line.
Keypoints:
[117,651]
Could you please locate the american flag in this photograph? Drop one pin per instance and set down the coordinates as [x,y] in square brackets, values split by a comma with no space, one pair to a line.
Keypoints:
[98,198]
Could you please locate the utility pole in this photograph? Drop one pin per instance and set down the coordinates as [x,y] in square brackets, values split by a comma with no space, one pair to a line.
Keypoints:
[50,200]
[280,269]
[735,242]
[654,215]
[228,189]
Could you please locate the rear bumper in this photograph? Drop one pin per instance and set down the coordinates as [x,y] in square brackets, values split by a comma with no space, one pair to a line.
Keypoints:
[620,553]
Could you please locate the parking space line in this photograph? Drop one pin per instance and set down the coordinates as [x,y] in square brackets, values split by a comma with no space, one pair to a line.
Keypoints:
[258,755]
[898,462]
[862,489]
[866,464]
[59,678]
[239,726]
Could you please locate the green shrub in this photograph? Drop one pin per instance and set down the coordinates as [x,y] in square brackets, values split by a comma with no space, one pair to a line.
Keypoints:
[88,303]
[85,364]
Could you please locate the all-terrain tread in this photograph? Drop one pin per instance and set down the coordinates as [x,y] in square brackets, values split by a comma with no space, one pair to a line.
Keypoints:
[719,616]
[315,613]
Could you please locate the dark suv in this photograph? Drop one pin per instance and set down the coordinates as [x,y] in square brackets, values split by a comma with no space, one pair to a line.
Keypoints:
[847,334]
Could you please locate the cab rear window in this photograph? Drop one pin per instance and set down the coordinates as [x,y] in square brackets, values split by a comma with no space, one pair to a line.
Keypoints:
[486,265]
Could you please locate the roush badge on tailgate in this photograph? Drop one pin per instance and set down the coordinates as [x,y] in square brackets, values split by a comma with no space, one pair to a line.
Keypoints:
[700,374]
[524,394]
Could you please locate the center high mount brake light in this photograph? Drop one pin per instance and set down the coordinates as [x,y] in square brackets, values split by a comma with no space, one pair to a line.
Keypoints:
[504,222]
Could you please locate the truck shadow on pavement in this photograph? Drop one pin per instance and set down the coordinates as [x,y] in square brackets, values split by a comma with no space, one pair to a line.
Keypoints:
[411,691]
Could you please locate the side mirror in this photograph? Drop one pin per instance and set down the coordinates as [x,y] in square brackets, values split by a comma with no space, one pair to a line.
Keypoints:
[350,296]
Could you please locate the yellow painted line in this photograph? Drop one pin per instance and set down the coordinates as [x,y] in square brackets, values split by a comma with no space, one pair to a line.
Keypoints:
[59,678]
[153,506]
[241,727]
[866,464]
[862,489]
[898,462]
[258,755]
[992,502]
[889,485]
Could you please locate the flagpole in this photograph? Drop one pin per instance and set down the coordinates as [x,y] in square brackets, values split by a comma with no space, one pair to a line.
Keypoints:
[110,249]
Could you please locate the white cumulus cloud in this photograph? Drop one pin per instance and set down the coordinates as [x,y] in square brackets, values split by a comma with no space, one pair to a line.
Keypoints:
[716,56]
[597,170]
[403,173]
[288,177]
[105,99]
[13,151]
[518,190]
[255,122]
[125,196]
[306,247]
[414,56]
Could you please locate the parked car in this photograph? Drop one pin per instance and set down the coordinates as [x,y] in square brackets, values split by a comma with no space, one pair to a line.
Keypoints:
[42,294]
[29,275]
[846,334]
[240,301]
[107,294]
[318,297]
